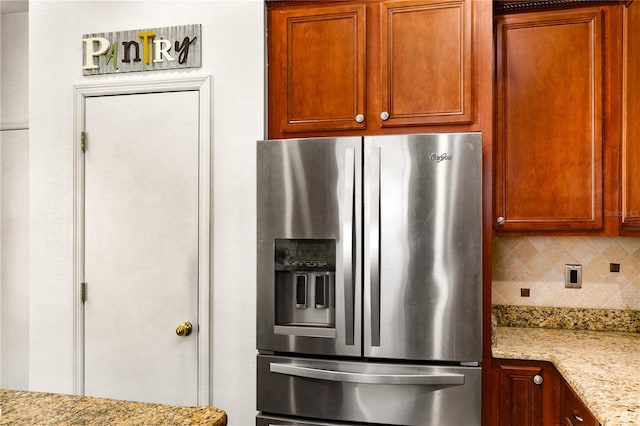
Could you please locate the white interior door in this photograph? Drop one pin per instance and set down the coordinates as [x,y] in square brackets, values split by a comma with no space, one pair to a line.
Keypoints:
[141,246]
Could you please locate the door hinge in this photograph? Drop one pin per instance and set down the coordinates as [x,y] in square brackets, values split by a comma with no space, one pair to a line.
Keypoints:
[83,141]
[83,292]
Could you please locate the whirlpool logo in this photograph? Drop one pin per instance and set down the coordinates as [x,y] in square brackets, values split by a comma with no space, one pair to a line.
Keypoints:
[438,158]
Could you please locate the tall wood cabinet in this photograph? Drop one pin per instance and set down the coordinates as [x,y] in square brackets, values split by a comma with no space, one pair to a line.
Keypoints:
[375,67]
[556,129]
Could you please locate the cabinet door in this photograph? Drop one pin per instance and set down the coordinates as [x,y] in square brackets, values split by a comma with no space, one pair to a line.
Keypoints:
[425,62]
[630,214]
[316,68]
[520,395]
[549,132]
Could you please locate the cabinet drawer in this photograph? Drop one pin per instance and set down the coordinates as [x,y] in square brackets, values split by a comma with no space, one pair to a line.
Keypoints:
[573,412]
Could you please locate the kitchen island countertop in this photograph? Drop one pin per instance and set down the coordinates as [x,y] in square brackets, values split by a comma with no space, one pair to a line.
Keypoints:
[30,408]
[603,368]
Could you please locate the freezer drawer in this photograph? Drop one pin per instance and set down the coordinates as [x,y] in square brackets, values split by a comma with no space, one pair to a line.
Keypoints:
[382,393]
[264,420]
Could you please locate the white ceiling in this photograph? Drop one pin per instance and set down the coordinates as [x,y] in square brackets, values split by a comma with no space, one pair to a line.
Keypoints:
[13,6]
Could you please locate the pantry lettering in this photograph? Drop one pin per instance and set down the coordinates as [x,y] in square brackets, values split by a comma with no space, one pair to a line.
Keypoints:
[142,50]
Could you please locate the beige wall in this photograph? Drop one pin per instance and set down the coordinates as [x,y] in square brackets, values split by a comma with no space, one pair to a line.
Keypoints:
[538,263]
[14,103]
[14,202]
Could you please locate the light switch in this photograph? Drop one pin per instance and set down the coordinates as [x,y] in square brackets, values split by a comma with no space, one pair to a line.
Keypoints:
[573,276]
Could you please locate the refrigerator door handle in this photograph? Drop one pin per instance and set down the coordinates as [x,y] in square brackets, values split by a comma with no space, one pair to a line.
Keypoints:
[348,246]
[374,379]
[374,245]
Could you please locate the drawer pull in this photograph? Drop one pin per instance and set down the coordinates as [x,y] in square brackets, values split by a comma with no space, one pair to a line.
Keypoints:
[577,417]
[372,379]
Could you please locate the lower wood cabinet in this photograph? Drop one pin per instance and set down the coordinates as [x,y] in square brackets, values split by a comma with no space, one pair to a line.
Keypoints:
[572,411]
[525,393]
[533,393]
[520,395]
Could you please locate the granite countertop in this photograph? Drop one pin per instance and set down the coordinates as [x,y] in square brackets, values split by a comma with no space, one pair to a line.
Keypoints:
[602,367]
[30,408]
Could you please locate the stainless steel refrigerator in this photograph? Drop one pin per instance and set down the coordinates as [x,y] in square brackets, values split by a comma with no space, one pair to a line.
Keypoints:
[369,289]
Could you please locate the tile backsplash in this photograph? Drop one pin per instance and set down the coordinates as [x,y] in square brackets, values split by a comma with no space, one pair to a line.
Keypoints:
[538,264]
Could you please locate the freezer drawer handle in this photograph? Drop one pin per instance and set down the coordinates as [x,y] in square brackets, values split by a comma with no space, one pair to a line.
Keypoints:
[374,379]
[288,424]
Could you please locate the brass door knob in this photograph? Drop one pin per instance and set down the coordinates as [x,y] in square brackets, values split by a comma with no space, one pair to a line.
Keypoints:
[184,329]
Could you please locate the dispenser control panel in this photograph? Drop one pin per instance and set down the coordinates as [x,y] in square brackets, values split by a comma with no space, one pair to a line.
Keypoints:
[305,254]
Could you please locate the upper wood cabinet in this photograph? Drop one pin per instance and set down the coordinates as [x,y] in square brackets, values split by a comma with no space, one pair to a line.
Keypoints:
[375,67]
[425,63]
[630,190]
[556,128]
[316,68]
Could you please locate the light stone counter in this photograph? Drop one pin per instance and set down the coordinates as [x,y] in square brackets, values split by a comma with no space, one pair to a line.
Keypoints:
[36,408]
[603,368]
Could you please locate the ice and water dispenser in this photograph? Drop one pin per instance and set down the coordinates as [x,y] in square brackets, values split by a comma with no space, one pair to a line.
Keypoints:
[305,287]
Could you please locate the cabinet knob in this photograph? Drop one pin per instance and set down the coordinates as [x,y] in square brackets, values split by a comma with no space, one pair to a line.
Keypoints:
[384,115]
[537,379]
[500,221]
[359,118]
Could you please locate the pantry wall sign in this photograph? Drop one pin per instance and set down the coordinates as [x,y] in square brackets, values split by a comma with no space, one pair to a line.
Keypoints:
[148,49]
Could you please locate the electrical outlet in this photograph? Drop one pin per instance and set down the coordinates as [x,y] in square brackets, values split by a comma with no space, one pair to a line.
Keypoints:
[573,276]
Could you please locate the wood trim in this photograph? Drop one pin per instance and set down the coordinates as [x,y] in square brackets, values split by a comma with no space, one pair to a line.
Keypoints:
[629,211]
[503,7]
[202,84]
[483,103]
